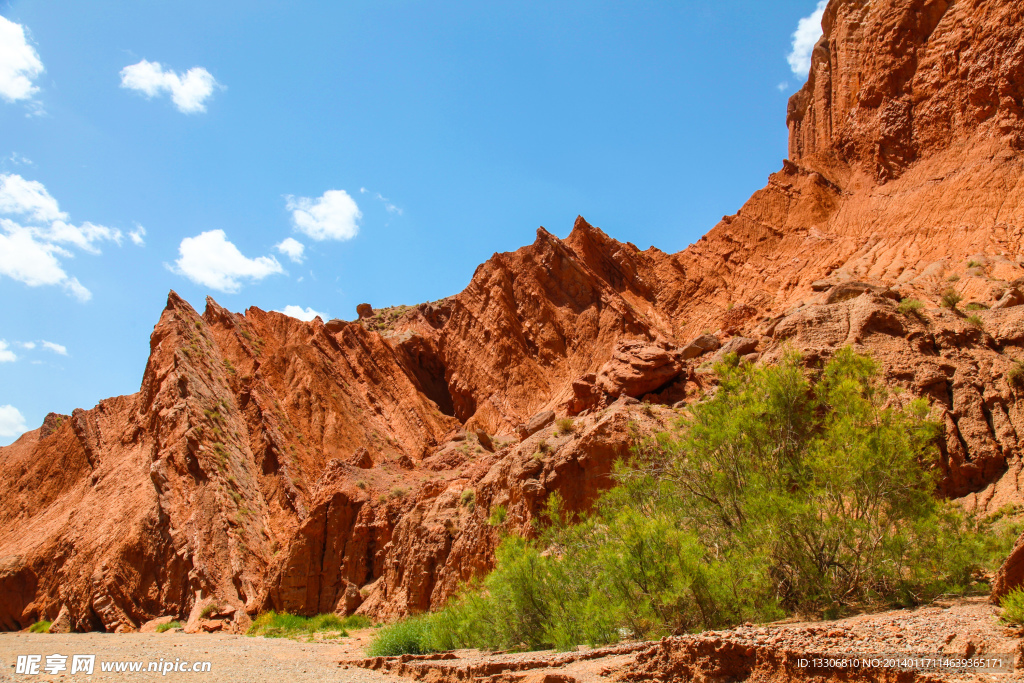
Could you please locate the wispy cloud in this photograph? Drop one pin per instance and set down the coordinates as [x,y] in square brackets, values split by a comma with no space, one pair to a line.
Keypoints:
[388,205]
[188,91]
[59,349]
[138,236]
[6,355]
[808,31]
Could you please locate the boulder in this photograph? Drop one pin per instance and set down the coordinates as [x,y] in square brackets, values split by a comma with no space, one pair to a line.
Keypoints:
[848,290]
[62,624]
[1012,297]
[585,394]
[361,459]
[364,311]
[485,440]
[351,600]
[699,346]
[334,325]
[639,367]
[741,346]
[536,423]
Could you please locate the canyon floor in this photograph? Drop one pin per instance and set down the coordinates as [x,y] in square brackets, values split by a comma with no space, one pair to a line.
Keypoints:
[772,652]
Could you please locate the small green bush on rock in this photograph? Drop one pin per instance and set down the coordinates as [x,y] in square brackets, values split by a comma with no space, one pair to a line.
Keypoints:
[412,636]
[1013,607]
[283,625]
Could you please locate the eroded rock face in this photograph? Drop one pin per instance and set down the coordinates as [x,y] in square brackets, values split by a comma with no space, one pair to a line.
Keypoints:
[270,462]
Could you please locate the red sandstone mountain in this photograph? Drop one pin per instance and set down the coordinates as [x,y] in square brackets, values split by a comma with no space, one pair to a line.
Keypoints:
[268,462]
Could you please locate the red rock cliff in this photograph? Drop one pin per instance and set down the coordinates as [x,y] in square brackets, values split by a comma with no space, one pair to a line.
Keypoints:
[267,462]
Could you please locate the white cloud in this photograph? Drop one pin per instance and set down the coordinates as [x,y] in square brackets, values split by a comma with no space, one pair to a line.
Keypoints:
[6,355]
[28,198]
[333,216]
[27,345]
[59,349]
[189,92]
[19,159]
[27,260]
[301,313]
[808,30]
[137,236]
[12,422]
[19,63]
[30,253]
[292,248]
[210,259]
[781,87]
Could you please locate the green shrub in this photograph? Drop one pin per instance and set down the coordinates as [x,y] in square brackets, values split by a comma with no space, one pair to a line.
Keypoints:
[911,307]
[1013,607]
[953,278]
[41,626]
[565,425]
[1015,377]
[168,626]
[950,299]
[498,515]
[781,494]
[976,320]
[975,306]
[409,637]
[468,499]
[973,264]
[283,625]
[210,609]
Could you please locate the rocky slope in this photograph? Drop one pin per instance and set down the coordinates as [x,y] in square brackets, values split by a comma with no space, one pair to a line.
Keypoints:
[267,462]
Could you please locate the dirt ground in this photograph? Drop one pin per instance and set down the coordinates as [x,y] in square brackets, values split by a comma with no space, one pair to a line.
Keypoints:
[232,657]
[765,653]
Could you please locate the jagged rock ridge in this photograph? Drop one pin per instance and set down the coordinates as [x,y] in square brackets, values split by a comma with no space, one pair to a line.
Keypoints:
[267,462]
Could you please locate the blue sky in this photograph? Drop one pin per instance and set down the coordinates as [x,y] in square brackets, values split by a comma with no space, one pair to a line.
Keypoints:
[319,155]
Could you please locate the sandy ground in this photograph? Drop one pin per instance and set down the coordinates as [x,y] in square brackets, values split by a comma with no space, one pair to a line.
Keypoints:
[232,657]
[953,628]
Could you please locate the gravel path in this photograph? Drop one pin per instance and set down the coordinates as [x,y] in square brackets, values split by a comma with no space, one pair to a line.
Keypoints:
[232,657]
